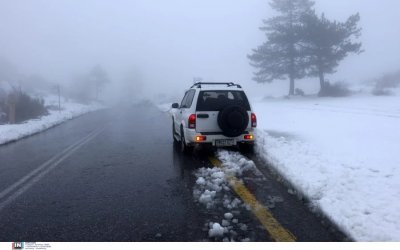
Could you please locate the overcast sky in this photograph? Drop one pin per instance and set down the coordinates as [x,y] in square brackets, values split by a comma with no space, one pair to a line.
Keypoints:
[170,42]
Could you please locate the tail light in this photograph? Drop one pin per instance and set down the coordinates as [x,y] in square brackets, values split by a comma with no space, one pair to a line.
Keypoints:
[253,120]
[201,138]
[249,137]
[192,121]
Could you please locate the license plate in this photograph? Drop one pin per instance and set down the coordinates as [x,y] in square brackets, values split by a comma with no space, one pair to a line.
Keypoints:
[224,143]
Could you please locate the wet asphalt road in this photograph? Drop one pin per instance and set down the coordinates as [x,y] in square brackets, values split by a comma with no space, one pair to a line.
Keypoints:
[126,182]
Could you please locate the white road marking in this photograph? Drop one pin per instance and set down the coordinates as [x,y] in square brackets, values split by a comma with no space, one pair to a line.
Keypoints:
[33,177]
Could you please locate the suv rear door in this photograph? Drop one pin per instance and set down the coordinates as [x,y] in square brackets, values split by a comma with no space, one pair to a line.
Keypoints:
[211,102]
[185,105]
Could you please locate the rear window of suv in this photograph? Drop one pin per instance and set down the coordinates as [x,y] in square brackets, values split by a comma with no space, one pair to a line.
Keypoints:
[216,100]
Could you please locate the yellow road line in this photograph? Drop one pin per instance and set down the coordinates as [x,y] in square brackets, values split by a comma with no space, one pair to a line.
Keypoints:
[274,228]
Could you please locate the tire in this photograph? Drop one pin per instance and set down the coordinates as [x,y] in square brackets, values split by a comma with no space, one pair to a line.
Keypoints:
[185,149]
[233,120]
[173,132]
[246,148]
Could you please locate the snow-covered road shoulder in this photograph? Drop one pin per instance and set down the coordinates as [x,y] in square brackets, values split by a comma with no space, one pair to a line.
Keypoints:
[342,154]
[13,132]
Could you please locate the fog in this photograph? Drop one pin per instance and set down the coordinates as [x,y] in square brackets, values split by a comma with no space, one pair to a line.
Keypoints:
[158,47]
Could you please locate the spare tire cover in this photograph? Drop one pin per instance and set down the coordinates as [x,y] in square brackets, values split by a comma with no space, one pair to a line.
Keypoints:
[233,120]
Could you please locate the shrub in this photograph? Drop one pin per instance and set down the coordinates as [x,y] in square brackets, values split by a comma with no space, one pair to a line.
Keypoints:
[386,82]
[338,89]
[3,114]
[3,108]
[381,92]
[299,92]
[27,108]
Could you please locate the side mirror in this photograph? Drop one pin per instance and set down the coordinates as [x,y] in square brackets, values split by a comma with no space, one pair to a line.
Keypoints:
[175,105]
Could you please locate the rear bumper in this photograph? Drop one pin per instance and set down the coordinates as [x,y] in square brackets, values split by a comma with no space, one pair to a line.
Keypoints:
[211,138]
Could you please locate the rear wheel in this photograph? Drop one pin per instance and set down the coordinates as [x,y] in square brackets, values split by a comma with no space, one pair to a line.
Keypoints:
[185,148]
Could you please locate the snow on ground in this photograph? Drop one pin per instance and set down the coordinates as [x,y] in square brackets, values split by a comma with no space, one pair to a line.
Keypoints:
[212,190]
[343,154]
[12,132]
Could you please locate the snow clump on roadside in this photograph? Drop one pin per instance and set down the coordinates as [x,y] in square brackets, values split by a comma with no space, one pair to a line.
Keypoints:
[235,164]
[210,182]
[212,189]
[216,230]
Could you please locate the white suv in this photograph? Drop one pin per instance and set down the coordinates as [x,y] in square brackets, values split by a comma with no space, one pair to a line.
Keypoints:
[217,114]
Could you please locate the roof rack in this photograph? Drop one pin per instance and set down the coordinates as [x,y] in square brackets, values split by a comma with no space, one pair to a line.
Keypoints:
[228,84]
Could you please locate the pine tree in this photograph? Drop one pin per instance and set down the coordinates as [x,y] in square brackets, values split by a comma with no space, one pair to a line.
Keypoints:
[326,43]
[280,57]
